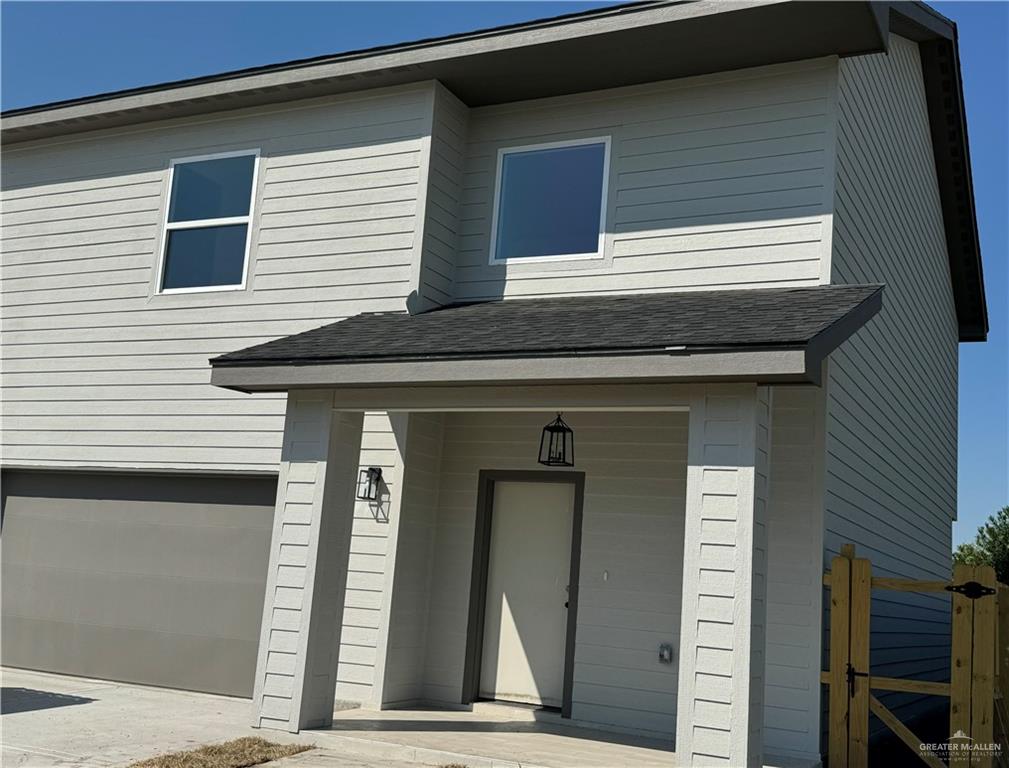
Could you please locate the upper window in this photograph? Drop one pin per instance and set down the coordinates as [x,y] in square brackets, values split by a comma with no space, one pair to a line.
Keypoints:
[550,201]
[206,241]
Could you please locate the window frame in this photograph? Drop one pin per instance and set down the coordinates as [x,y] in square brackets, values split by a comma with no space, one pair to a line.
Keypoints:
[599,253]
[168,226]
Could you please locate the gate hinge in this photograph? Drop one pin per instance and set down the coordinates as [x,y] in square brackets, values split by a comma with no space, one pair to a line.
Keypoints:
[972,590]
[851,674]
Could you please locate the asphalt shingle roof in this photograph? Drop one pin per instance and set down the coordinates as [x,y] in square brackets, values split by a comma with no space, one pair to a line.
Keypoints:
[773,317]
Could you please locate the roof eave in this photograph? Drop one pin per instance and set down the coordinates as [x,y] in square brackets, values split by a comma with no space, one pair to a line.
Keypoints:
[545,57]
[940,60]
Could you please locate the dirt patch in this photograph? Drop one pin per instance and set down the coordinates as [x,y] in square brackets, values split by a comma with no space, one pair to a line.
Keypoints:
[238,753]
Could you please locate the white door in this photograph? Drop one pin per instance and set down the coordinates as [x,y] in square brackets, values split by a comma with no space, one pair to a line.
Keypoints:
[525,624]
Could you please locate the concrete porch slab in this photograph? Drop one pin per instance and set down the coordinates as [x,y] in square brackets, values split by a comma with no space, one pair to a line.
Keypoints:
[491,736]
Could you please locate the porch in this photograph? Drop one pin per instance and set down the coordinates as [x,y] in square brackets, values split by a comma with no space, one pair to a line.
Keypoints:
[663,589]
[679,594]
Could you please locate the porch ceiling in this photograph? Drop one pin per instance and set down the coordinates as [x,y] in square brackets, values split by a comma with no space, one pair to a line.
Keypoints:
[769,335]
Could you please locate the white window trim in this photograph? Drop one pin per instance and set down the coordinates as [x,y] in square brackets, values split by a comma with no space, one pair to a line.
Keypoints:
[168,226]
[604,193]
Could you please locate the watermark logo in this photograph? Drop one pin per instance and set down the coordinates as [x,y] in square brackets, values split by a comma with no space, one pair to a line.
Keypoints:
[960,743]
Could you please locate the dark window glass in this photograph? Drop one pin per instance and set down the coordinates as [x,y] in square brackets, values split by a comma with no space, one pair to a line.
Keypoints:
[549,201]
[205,256]
[212,189]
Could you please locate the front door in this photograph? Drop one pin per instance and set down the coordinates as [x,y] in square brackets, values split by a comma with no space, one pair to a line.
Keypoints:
[525,622]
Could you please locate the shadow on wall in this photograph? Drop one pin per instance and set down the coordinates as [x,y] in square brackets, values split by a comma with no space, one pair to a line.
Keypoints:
[526,606]
[722,204]
[14,700]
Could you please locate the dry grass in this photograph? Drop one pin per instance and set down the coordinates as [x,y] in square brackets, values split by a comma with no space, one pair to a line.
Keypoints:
[238,753]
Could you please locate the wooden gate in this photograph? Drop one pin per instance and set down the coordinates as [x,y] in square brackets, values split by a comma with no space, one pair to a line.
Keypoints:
[971,690]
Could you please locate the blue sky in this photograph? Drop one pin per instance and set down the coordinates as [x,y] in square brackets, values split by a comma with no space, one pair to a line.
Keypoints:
[56,51]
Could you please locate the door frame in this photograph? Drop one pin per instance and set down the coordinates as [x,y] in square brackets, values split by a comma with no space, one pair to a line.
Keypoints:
[481,564]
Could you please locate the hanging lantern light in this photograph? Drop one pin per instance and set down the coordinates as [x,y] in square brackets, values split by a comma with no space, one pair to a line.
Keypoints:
[557,444]
[369,483]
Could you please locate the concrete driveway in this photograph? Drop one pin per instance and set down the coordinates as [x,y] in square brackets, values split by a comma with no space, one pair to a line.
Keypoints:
[53,721]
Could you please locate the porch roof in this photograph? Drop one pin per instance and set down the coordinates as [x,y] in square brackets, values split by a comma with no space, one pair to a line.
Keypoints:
[767,335]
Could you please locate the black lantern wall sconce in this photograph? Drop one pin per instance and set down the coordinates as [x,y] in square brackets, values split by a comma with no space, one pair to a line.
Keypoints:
[369,484]
[557,444]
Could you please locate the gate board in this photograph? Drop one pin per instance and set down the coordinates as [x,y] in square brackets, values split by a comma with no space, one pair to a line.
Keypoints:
[840,607]
[961,658]
[858,649]
[903,732]
[975,662]
[982,708]
[972,670]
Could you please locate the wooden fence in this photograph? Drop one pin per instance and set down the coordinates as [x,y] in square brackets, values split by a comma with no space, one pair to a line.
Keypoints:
[979,667]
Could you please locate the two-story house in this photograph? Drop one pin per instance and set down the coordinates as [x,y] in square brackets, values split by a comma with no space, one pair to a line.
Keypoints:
[283,351]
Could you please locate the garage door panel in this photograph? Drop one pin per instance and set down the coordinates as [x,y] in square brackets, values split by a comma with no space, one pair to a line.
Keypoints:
[194,607]
[215,665]
[199,548]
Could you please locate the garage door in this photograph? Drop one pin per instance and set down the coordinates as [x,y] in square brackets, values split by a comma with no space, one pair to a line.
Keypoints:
[141,578]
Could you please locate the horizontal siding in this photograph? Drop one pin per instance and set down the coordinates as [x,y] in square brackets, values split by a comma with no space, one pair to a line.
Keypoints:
[441,205]
[718,181]
[407,627]
[635,467]
[366,565]
[892,409]
[100,372]
[794,565]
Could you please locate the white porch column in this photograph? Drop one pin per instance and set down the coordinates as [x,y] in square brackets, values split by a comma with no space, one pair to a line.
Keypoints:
[721,676]
[299,644]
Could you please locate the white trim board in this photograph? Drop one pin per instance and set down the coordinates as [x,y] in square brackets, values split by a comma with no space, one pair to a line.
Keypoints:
[603,192]
[757,365]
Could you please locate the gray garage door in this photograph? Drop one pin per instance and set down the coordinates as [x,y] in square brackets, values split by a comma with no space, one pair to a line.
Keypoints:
[149,579]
